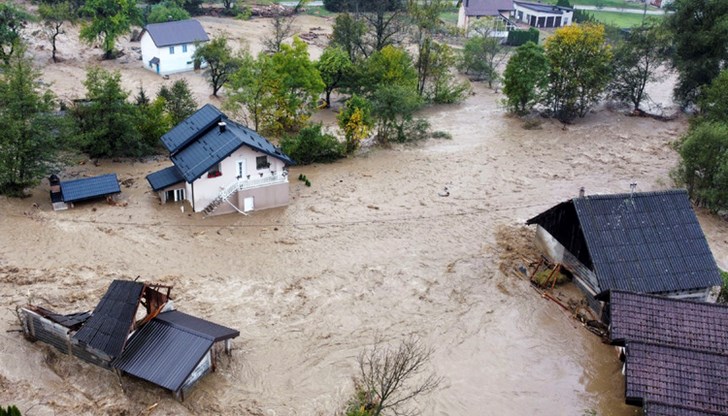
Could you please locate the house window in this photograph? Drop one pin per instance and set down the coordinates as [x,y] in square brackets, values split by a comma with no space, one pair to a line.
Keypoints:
[214,172]
[171,50]
[184,48]
[261,162]
[175,195]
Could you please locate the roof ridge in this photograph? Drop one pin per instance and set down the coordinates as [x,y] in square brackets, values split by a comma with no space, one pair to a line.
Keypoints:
[672,191]
[185,329]
[656,296]
[674,347]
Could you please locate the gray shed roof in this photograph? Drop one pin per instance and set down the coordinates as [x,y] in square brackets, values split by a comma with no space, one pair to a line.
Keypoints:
[544,8]
[197,144]
[164,178]
[486,7]
[649,242]
[176,33]
[89,188]
[167,349]
[112,318]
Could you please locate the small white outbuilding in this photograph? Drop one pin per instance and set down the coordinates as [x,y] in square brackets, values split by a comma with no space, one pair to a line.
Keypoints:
[168,47]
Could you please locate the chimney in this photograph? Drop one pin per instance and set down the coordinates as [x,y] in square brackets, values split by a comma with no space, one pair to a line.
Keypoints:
[581,192]
[222,126]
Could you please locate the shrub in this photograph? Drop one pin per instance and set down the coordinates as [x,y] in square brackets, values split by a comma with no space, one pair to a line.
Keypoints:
[703,166]
[356,121]
[312,145]
[519,37]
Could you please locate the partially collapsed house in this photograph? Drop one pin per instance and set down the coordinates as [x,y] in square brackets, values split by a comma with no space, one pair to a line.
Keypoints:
[675,353]
[134,329]
[66,193]
[647,242]
[221,166]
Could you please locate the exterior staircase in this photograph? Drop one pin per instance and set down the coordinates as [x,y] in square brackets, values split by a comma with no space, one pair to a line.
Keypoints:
[239,185]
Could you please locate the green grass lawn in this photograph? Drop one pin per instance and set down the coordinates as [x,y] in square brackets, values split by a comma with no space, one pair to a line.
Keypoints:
[622,4]
[449,17]
[621,20]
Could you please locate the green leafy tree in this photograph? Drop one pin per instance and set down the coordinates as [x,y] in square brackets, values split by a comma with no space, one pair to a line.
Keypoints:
[481,57]
[347,34]
[221,62]
[251,91]
[636,60]
[334,66]
[443,87]
[388,67]
[579,69]
[9,411]
[525,79]
[714,100]
[151,121]
[178,101]
[167,11]
[356,120]
[704,164]
[426,17]
[109,19]
[12,21]
[312,145]
[28,136]
[393,106]
[107,124]
[54,16]
[700,32]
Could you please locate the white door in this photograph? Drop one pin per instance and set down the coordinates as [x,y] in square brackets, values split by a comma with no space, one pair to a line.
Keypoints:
[248,204]
[241,169]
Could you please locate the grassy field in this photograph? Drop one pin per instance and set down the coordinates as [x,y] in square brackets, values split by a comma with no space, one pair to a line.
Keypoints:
[622,4]
[621,20]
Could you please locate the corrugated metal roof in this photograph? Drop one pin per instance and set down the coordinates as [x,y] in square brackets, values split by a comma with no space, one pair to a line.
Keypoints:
[163,354]
[487,7]
[89,188]
[678,323]
[198,326]
[678,377]
[109,326]
[544,8]
[69,320]
[164,178]
[648,242]
[197,144]
[176,33]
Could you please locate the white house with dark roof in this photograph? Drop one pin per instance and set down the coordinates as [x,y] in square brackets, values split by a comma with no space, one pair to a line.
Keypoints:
[221,166]
[543,15]
[499,11]
[168,47]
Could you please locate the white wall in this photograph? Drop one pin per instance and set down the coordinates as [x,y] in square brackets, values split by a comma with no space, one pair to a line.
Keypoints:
[168,63]
[207,189]
[566,18]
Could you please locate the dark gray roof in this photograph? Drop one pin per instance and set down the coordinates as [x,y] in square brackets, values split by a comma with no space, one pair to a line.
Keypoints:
[90,188]
[647,242]
[176,33]
[678,323]
[164,178]
[544,8]
[685,379]
[167,349]
[113,318]
[69,320]
[197,144]
[486,7]
[659,409]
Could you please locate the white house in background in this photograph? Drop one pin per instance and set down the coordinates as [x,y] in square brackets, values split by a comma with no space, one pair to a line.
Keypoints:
[499,11]
[661,3]
[221,166]
[168,47]
[543,15]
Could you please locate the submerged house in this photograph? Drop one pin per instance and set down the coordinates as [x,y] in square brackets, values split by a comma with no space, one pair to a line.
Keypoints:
[498,11]
[542,15]
[221,166]
[647,242]
[169,47]
[164,346]
[65,193]
[675,353]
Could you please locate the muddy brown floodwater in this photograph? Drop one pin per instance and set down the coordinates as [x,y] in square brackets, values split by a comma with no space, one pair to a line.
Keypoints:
[369,250]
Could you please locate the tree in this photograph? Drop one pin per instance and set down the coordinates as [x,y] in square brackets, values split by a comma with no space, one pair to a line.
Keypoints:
[220,62]
[348,33]
[178,101]
[525,79]
[442,87]
[426,17]
[29,132]
[579,69]
[386,23]
[152,120]
[251,88]
[54,16]
[107,124]
[391,377]
[389,67]
[167,11]
[109,20]
[714,99]
[699,32]
[311,145]
[12,21]
[334,66]
[704,164]
[481,57]
[636,60]
[282,29]
[393,106]
[356,120]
